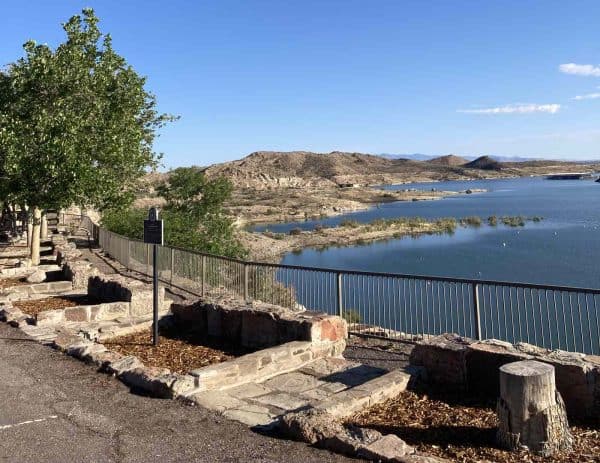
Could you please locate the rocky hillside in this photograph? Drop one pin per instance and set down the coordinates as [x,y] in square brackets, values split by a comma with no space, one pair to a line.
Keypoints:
[484,163]
[299,168]
[449,160]
[264,170]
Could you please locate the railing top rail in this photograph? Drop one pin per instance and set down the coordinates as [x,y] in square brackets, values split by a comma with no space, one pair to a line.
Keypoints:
[470,281]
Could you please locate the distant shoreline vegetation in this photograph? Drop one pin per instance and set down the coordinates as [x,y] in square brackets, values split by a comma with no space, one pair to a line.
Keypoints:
[406,226]
[444,224]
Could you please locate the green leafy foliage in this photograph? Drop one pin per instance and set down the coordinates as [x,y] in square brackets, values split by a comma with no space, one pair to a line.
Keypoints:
[76,123]
[193,214]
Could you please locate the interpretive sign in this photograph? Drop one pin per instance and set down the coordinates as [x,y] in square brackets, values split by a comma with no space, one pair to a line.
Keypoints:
[153,228]
[153,234]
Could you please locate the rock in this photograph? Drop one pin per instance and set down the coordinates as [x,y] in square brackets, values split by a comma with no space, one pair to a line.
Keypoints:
[310,426]
[38,276]
[469,192]
[386,448]
[24,263]
[124,364]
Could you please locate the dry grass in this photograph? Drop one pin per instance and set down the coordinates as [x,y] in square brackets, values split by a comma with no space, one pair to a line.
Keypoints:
[178,352]
[462,429]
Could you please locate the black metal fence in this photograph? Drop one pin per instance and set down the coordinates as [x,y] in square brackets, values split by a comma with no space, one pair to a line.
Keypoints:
[392,306]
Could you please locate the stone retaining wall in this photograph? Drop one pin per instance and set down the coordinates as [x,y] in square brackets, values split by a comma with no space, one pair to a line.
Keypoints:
[12,272]
[117,288]
[79,272]
[464,364]
[84,313]
[264,364]
[23,291]
[258,325]
[65,251]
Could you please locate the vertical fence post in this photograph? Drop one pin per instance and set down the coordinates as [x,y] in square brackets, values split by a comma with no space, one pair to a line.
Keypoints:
[203,272]
[127,267]
[172,265]
[340,302]
[246,282]
[476,311]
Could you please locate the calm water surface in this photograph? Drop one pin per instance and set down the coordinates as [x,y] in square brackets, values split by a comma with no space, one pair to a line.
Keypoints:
[562,249]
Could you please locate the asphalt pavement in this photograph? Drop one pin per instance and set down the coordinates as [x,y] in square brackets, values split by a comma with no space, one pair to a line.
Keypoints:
[57,409]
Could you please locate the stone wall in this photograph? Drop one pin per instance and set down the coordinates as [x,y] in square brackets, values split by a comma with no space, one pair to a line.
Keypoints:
[462,364]
[258,325]
[84,313]
[65,251]
[116,288]
[79,272]
[14,293]
[264,364]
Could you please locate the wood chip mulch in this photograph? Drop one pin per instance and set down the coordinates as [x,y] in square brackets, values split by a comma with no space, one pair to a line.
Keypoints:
[462,430]
[8,282]
[35,306]
[179,352]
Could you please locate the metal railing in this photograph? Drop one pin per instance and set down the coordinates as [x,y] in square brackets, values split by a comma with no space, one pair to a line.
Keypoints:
[386,305]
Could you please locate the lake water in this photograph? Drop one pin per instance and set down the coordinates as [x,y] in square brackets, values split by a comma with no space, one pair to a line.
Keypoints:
[563,249]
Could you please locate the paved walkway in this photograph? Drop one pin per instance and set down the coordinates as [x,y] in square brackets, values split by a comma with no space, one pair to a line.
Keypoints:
[54,409]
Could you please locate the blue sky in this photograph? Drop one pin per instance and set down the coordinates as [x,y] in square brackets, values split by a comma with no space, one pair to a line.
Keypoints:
[433,77]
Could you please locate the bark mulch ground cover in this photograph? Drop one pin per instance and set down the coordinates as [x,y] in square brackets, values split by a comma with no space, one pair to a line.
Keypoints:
[179,352]
[8,282]
[35,306]
[462,429]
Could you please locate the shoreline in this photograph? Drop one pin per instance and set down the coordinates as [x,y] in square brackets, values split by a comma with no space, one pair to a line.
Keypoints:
[272,247]
[385,197]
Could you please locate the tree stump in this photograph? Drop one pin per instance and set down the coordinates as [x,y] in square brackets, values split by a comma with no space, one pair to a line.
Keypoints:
[531,412]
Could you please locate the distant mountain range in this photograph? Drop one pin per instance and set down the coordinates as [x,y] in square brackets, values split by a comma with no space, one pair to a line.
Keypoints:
[427,157]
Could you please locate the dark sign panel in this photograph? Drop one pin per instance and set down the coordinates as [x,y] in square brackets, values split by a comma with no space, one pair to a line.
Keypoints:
[153,231]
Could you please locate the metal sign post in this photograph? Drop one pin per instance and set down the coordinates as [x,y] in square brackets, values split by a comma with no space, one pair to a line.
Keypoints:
[153,234]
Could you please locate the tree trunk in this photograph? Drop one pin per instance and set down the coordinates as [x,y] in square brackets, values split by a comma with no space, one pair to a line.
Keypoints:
[44,227]
[35,237]
[530,410]
[29,227]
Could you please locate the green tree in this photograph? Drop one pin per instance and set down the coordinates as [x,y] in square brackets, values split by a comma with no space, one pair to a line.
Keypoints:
[194,217]
[76,123]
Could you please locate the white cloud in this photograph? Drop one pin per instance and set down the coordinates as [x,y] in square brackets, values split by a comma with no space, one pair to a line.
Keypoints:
[588,96]
[515,109]
[580,69]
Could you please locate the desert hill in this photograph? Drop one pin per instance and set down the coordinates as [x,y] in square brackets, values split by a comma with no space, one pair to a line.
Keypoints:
[484,163]
[265,170]
[449,160]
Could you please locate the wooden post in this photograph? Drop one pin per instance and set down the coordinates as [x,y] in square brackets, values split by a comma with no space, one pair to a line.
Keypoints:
[530,410]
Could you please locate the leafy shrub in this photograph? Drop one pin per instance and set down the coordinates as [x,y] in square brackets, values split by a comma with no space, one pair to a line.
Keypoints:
[492,220]
[295,231]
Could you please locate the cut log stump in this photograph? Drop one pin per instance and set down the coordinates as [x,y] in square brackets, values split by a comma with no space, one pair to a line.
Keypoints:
[531,412]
